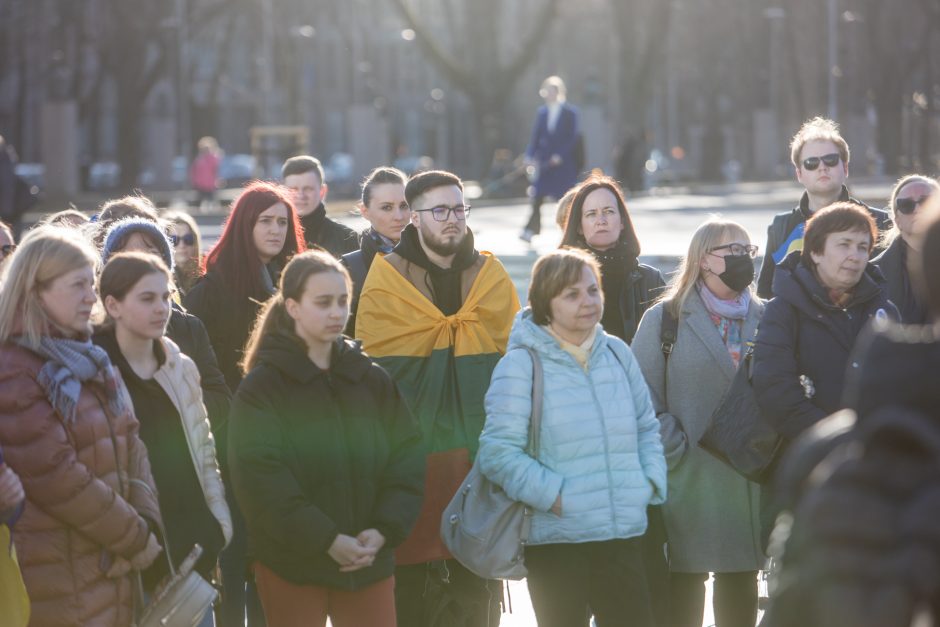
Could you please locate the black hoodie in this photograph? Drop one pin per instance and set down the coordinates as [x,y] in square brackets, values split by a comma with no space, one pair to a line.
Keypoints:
[444,283]
[316,453]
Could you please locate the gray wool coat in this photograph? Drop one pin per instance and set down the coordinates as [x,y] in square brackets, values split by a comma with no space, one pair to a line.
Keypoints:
[712,513]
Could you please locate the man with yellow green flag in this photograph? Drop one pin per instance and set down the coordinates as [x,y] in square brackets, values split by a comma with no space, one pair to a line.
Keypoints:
[436,314]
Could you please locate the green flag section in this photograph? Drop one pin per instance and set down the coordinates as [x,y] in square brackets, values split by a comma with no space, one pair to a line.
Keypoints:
[442,364]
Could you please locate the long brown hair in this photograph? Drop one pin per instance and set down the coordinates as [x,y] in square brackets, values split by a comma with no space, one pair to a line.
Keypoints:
[574,238]
[273,317]
[123,271]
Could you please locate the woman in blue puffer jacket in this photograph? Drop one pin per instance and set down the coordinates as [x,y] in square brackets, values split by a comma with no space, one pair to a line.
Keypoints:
[600,460]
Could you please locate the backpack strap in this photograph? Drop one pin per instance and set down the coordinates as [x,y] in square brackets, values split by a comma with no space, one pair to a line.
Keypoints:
[538,385]
[668,330]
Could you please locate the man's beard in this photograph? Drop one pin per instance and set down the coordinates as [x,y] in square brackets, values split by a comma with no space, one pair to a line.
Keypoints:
[439,246]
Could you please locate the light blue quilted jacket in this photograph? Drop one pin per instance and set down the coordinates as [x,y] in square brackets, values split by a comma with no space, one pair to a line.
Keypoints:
[600,446]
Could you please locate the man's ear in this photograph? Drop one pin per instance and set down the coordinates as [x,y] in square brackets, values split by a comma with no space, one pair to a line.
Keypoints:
[324,190]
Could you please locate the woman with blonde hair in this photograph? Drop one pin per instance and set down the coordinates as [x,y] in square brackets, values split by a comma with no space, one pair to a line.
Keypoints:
[187,249]
[712,515]
[69,432]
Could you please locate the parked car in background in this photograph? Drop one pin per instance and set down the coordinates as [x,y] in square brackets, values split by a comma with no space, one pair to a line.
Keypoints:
[237,169]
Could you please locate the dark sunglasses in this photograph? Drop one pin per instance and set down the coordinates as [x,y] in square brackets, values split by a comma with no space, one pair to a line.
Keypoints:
[907,206]
[831,160]
[189,239]
[6,250]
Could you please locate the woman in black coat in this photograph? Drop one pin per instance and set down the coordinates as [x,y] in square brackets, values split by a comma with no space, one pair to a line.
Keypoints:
[863,549]
[907,204]
[262,233]
[823,296]
[327,460]
[599,223]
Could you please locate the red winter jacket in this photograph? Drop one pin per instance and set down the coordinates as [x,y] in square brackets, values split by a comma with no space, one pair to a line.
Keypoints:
[76,519]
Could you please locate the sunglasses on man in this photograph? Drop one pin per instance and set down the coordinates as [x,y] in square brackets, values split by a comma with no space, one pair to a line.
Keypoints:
[831,160]
[907,206]
[189,239]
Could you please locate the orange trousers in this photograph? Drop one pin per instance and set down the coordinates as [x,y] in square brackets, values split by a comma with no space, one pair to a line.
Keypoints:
[290,605]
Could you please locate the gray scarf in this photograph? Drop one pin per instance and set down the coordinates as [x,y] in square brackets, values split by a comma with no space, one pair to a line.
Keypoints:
[69,364]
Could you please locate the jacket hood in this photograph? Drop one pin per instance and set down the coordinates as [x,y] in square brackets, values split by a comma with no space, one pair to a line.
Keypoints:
[797,284]
[525,332]
[286,352]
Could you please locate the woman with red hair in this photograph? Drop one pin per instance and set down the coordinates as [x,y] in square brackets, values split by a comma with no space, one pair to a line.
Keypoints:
[261,234]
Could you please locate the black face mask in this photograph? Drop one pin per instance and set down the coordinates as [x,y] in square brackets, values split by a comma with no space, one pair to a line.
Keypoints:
[739,272]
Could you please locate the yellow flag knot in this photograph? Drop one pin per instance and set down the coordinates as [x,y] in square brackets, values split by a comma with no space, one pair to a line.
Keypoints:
[460,321]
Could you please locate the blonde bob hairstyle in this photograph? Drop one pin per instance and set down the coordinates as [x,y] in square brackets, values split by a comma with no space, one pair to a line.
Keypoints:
[273,317]
[45,254]
[552,273]
[707,236]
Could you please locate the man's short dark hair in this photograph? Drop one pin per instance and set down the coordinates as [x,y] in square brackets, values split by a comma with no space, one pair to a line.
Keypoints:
[301,164]
[426,181]
[837,217]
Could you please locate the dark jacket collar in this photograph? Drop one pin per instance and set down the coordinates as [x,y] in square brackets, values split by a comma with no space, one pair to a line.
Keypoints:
[409,248]
[797,284]
[286,353]
[804,202]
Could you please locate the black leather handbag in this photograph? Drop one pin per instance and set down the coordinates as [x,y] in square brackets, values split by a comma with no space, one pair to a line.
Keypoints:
[738,435]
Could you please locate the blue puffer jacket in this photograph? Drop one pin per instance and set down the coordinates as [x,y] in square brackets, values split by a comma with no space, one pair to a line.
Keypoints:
[600,446]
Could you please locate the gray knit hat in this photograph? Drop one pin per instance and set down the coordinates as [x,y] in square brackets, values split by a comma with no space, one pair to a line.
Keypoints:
[121,230]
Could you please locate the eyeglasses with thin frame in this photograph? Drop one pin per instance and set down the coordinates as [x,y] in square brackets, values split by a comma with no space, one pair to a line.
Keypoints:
[737,250]
[907,206]
[6,250]
[441,213]
[831,160]
[189,239]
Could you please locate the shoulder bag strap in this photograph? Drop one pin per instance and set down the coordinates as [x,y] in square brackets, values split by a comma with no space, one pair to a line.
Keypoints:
[535,421]
[668,332]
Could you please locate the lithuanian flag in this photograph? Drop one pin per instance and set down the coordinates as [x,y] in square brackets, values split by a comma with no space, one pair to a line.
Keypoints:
[442,365]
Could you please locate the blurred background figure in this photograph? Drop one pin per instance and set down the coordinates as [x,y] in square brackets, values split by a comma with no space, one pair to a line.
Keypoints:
[204,173]
[68,218]
[551,150]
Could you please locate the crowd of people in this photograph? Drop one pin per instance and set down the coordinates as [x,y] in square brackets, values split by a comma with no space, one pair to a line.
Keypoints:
[302,402]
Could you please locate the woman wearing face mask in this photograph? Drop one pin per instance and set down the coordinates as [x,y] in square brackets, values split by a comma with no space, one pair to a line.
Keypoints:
[908,199]
[600,461]
[599,223]
[163,383]
[68,430]
[327,461]
[383,205]
[712,515]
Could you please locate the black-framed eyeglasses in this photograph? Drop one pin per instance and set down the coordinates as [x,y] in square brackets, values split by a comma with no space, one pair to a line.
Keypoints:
[441,213]
[831,160]
[907,206]
[6,250]
[737,250]
[189,239]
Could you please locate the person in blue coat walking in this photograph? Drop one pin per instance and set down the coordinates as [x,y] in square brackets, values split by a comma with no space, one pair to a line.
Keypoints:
[552,150]
[600,461]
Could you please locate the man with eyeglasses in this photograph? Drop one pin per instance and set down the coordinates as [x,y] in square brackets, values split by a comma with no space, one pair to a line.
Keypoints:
[436,314]
[820,157]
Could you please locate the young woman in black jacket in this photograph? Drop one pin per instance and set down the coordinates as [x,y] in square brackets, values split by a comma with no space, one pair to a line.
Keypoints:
[327,460]
[261,234]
